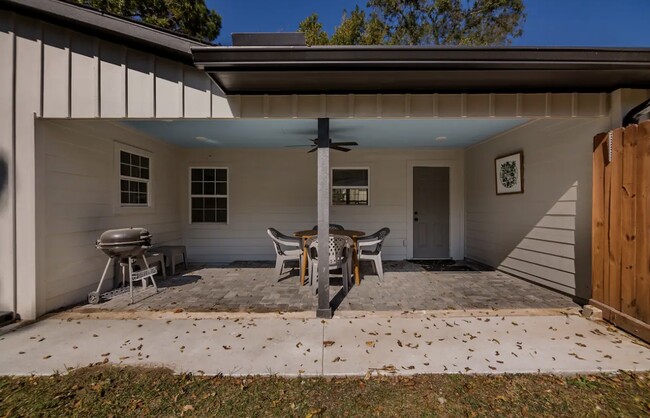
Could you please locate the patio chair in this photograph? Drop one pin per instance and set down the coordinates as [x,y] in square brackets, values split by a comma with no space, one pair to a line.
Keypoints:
[286,249]
[370,249]
[340,256]
[333,227]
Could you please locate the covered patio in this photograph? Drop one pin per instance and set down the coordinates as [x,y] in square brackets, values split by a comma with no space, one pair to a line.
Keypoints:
[264,176]
[253,287]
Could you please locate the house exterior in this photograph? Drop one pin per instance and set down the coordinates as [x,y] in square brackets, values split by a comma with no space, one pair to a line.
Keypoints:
[108,123]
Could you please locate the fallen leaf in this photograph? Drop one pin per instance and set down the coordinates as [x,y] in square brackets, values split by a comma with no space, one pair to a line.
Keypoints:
[314,412]
[328,343]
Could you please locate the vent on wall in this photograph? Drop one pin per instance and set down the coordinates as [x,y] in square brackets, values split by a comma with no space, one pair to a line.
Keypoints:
[269,39]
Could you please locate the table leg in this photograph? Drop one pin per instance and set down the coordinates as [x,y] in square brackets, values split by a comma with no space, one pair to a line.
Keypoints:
[355,263]
[303,266]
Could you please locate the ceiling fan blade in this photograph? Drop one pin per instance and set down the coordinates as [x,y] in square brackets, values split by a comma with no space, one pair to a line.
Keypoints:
[339,148]
[351,143]
[296,146]
[312,150]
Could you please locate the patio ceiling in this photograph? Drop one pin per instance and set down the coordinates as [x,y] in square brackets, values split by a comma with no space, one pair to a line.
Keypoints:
[369,133]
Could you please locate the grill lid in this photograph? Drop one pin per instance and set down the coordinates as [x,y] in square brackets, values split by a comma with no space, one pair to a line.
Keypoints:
[125,236]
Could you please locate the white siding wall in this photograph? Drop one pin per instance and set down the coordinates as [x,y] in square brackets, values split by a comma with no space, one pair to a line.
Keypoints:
[544,234]
[78,200]
[277,188]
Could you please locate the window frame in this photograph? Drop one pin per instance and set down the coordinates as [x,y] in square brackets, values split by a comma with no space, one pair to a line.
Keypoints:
[190,195]
[118,166]
[332,187]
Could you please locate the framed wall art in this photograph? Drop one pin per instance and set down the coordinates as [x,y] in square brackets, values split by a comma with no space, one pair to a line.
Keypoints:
[509,173]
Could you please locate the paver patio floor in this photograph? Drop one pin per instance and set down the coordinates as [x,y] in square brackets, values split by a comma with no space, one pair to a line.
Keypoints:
[253,287]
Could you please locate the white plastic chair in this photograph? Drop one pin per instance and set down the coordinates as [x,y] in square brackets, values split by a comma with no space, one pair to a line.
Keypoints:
[286,249]
[370,249]
[339,258]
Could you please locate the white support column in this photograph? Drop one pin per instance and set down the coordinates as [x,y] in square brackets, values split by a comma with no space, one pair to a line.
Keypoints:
[324,308]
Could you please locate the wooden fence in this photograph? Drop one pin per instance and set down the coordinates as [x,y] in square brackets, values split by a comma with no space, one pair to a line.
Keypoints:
[621,228]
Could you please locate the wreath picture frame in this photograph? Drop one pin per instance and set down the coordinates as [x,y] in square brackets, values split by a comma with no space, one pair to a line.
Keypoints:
[509,173]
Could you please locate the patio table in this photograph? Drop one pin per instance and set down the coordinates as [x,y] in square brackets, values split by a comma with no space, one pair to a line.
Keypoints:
[310,233]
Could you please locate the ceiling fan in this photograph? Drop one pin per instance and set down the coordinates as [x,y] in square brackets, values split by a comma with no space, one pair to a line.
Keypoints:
[339,146]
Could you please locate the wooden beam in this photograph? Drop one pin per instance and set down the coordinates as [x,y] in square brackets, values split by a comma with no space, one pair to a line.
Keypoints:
[599,246]
[324,308]
[615,221]
[632,325]
[628,223]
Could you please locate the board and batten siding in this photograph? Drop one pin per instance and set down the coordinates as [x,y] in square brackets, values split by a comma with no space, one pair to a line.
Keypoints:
[78,199]
[544,234]
[277,188]
[48,71]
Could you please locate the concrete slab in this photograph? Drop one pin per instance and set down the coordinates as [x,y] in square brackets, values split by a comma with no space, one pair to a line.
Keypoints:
[291,345]
[490,344]
[230,347]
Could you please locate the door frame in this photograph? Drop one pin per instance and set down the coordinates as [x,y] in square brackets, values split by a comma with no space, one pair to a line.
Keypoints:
[456,205]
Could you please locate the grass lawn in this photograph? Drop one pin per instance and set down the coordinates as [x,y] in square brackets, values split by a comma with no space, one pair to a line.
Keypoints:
[104,391]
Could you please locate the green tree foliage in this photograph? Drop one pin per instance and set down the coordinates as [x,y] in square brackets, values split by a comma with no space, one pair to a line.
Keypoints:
[313,30]
[188,17]
[424,22]
[359,29]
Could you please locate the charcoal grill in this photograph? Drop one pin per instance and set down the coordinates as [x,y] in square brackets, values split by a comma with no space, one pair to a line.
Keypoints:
[125,246]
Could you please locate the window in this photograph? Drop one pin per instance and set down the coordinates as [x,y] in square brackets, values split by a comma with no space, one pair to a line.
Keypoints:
[209,195]
[134,179]
[350,186]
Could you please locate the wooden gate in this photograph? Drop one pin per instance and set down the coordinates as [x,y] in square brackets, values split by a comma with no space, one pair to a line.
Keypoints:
[621,228]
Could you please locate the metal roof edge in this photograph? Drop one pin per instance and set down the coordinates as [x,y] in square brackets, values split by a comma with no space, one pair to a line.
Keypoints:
[551,56]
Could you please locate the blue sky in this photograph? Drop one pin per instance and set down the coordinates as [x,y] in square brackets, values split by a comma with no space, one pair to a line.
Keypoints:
[549,22]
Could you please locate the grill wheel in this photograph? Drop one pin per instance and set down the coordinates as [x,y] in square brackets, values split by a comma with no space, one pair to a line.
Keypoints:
[93,298]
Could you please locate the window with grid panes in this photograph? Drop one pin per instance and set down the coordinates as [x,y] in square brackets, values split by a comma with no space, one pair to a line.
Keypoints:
[209,195]
[134,179]
[350,186]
